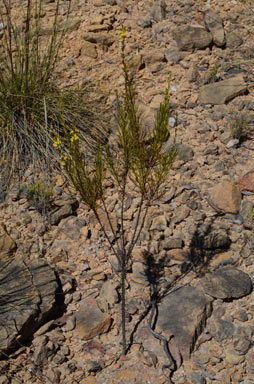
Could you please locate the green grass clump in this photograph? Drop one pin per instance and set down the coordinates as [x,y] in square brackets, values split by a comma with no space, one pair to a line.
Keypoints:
[238,125]
[40,194]
[32,106]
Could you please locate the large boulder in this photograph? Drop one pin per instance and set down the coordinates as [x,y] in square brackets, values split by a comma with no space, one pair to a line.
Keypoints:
[27,298]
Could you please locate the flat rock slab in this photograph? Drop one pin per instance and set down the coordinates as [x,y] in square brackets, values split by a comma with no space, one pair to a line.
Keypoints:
[192,37]
[90,320]
[99,38]
[183,314]
[226,197]
[221,329]
[27,298]
[227,283]
[222,91]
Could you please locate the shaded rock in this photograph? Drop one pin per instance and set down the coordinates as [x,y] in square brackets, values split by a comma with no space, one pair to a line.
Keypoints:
[154,56]
[233,40]
[89,49]
[217,239]
[231,357]
[223,258]
[135,62]
[158,11]
[246,183]
[90,320]
[31,289]
[214,24]
[40,356]
[242,345]
[59,249]
[93,366]
[222,91]
[246,250]
[139,273]
[250,359]
[66,200]
[114,262]
[196,378]
[233,143]
[168,196]
[159,223]
[192,74]
[222,329]
[180,214]
[99,38]
[225,197]
[53,374]
[227,283]
[7,245]
[144,23]
[178,255]
[149,342]
[173,56]
[108,296]
[43,329]
[210,237]
[97,28]
[61,213]
[183,314]
[72,226]
[104,220]
[172,243]
[184,152]
[192,37]
[247,213]
[70,324]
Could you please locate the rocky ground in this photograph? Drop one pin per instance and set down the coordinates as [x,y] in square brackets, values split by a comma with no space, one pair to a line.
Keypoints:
[199,235]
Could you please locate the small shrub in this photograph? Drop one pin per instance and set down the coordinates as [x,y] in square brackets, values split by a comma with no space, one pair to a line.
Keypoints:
[40,194]
[135,158]
[238,125]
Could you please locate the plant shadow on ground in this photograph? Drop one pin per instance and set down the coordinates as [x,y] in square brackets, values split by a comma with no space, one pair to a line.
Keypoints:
[206,243]
[200,257]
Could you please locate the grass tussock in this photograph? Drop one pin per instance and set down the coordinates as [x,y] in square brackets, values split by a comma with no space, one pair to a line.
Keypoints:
[32,106]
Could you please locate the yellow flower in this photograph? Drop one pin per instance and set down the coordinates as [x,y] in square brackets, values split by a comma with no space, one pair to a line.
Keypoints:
[123,33]
[74,138]
[57,142]
[73,131]
[63,162]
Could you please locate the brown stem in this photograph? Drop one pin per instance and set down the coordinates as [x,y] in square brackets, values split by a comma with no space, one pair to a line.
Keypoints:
[108,218]
[106,235]
[135,239]
[123,278]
